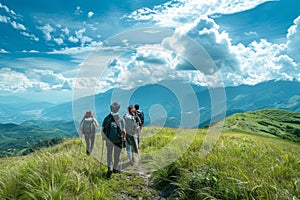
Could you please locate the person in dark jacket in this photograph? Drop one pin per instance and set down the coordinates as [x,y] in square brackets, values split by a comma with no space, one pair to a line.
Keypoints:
[113,132]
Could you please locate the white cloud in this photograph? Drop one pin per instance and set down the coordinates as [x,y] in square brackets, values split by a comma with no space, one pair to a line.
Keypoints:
[66,31]
[4,19]
[293,42]
[251,34]
[58,41]
[3,51]
[90,14]
[47,30]
[4,7]
[32,80]
[77,50]
[149,64]
[16,25]
[238,64]
[83,39]
[7,9]
[175,13]
[78,10]
[30,51]
[73,39]
[31,36]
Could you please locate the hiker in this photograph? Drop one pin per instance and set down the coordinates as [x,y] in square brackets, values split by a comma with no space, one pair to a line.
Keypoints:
[88,127]
[113,131]
[141,118]
[131,133]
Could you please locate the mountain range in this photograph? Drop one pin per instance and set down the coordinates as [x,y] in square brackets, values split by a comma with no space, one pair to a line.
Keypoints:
[273,94]
[160,105]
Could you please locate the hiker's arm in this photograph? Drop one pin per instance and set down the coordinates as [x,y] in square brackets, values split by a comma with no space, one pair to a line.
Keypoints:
[80,125]
[96,123]
[124,134]
[139,130]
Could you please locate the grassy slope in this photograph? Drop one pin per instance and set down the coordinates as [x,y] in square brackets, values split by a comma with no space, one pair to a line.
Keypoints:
[241,166]
[279,123]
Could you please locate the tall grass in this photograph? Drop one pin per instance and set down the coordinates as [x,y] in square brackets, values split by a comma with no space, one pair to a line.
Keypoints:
[241,166]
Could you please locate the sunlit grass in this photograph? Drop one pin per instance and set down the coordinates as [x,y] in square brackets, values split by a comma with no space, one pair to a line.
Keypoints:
[241,166]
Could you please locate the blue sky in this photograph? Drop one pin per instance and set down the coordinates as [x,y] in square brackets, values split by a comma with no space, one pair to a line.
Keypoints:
[45,43]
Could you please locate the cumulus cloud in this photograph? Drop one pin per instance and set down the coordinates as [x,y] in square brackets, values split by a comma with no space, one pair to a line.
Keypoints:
[7,9]
[237,63]
[90,14]
[14,24]
[18,26]
[58,41]
[47,30]
[293,37]
[4,19]
[66,31]
[80,36]
[83,38]
[31,36]
[73,39]
[32,80]
[148,65]
[174,13]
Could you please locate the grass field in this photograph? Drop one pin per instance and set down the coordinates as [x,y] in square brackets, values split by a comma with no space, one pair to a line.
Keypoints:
[241,166]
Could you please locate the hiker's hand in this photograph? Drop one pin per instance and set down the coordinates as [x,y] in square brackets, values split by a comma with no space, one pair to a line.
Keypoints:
[81,128]
[124,139]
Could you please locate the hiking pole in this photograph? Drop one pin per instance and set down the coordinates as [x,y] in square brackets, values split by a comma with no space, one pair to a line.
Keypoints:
[121,166]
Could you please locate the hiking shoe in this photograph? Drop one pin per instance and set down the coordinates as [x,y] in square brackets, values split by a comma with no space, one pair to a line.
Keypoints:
[87,152]
[108,175]
[131,162]
[115,171]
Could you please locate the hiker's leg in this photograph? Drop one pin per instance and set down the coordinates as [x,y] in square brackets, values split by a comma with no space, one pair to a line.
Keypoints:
[128,150]
[136,138]
[87,142]
[109,148]
[117,152]
[132,152]
[92,142]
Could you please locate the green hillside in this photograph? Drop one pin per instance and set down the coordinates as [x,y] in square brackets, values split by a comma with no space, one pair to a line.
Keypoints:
[16,140]
[278,123]
[241,166]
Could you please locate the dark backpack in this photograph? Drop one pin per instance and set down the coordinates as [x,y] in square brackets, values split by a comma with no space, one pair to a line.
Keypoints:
[88,125]
[140,114]
[112,129]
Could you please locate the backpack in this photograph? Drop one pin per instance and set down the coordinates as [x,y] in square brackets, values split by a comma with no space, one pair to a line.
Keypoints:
[130,124]
[88,125]
[112,129]
[140,114]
